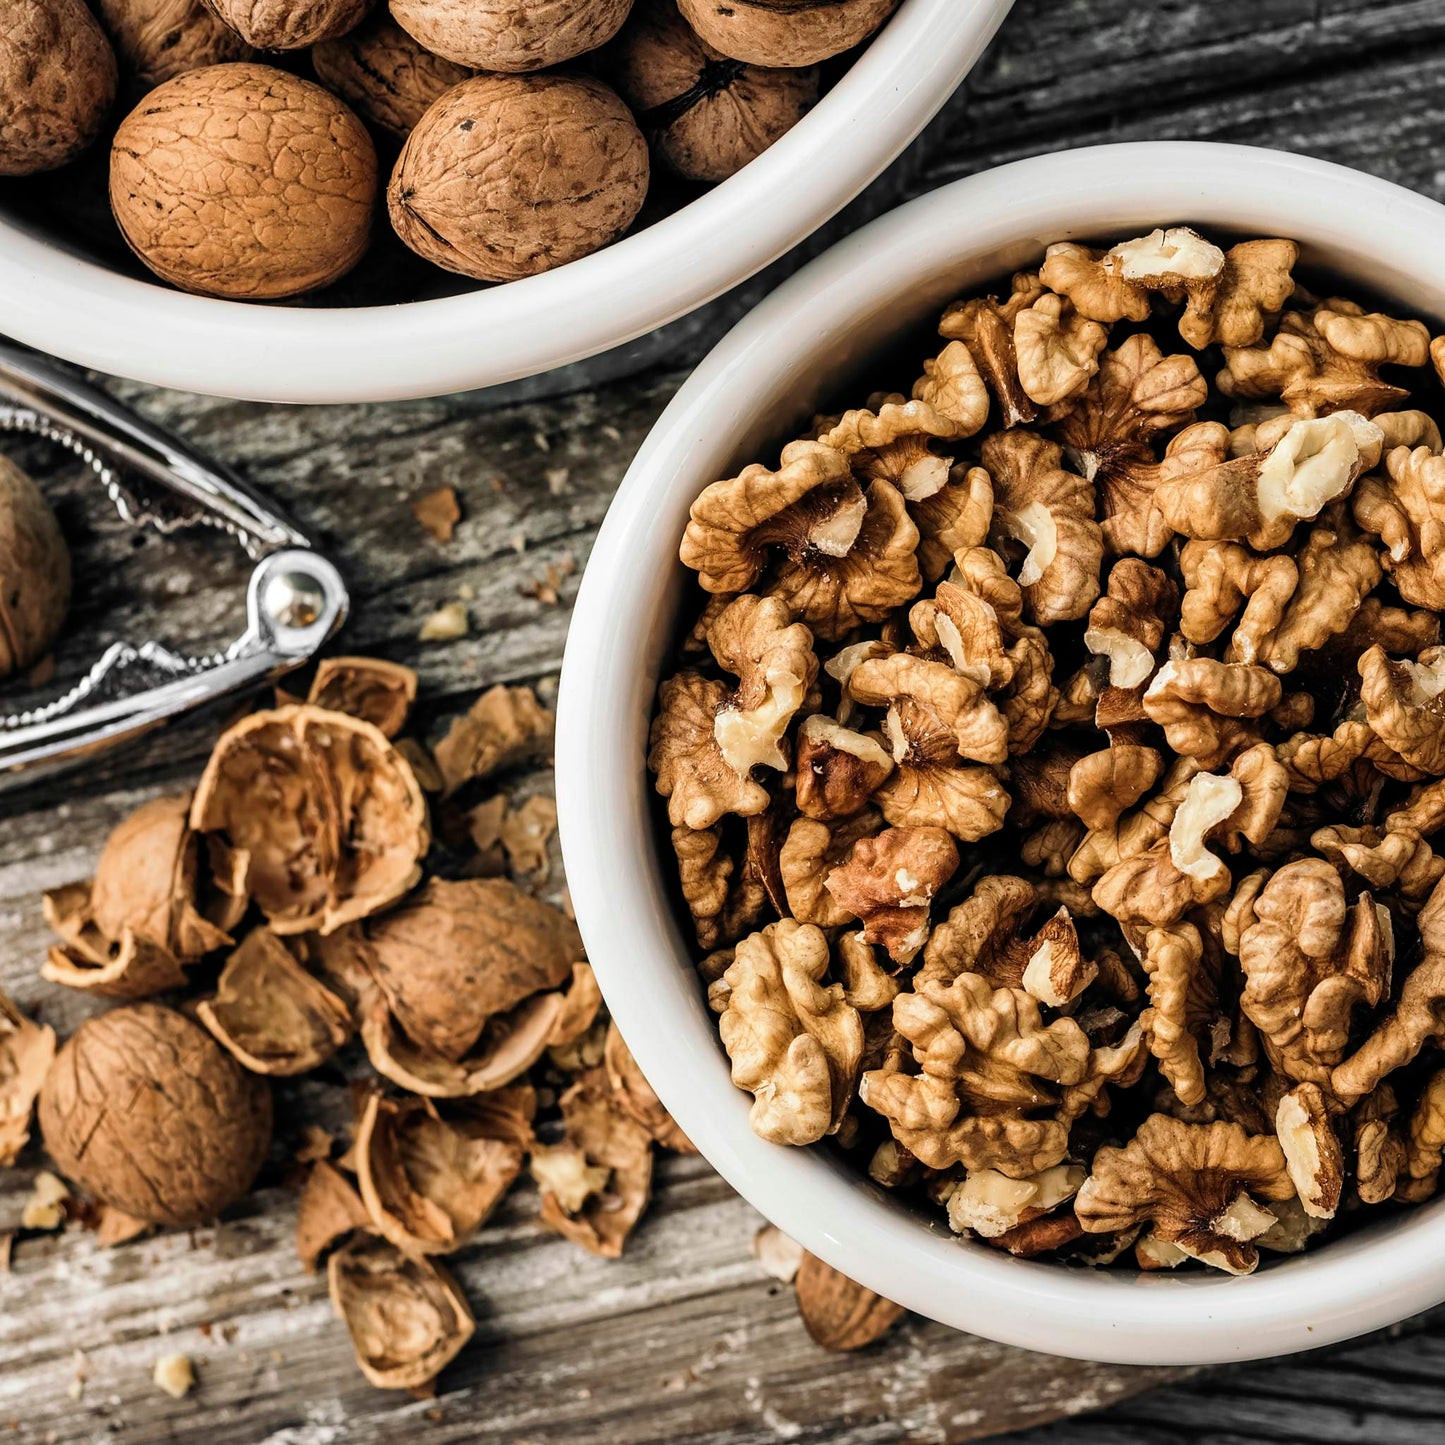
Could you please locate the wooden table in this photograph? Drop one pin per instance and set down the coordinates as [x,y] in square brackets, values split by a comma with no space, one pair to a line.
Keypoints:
[686,1339]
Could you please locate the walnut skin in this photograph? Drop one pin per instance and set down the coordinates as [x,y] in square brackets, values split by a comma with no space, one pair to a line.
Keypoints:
[157,39]
[34,571]
[706,115]
[243,181]
[57,81]
[508,176]
[785,32]
[146,1111]
[510,35]
[289,24]
[385,75]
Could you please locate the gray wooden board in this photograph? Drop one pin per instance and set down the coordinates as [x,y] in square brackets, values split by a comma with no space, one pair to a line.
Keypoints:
[684,1339]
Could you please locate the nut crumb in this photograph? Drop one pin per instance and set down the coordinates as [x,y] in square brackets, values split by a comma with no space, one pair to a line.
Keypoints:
[448,623]
[45,1209]
[175,1374]
[439,512]
[778,1255]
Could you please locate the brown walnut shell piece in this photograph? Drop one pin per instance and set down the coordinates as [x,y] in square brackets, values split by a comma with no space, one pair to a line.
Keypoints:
[26,1052]
[157,39]
[146,1111]
[289,24]
[271,1014]
[785,32]
[57,81]
[329,1210]
[385,76]
[428,1182]
[244,181]
[408,1317]
[34,560]
[706,114]
[381,693]
[456,954]
[511,35]
[505,726]
[838,1312]
[507,175]
[330,813]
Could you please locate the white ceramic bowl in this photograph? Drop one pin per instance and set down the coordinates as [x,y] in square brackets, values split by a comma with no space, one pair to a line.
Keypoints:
[764,379]
[61,303]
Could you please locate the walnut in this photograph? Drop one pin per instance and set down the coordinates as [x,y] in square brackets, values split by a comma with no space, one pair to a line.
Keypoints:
[794,1043]
[691,771]
[1425,1141]
[1103,785]
[1201,704]
[270,1013]
[429,1182]
[1312,1151]
[991,1204]
[1396,859]
[706,115]
[808,855]
[511,35]
[34,569]
[385,76]
[1308,962]
[148,1113]
[838,1313]
[289,24]
[929,785]
[614,1153]
[725,902]
[1406,516]
[785,32]
[1194,1184]
[1326,361]
[1051,511]
[890,881]
[157,39]
[989,1066]
[455,955]
[190,200]
[506,726]
[838,770]
[157,905]
[1259,498]
[947,702]
[26,1052]
[1403,705]
[985,326]
[1139,394]
[57,81]
[1128,624]
[408,1317]
[332,818]
[1380,1152]
[1254,286]
[635,1096]
[381,693]
[953,519]
[329,1211]
[507,176]
[1056,350]
[980,934]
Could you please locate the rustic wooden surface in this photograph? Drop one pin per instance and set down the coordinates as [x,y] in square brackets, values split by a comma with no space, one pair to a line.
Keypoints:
[685,1339]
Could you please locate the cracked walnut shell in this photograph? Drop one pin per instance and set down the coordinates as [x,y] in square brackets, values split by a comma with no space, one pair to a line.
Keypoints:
[26,1052]
[34,572]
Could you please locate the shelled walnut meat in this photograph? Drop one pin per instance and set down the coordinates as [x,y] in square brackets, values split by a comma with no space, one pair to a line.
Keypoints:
[1055,766]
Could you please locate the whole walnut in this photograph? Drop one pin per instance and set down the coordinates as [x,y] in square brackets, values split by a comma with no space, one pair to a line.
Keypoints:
[381,71]
[509,175]
[289,24]
[57,81]
[243,181]
[156,39]
[785,32]
[148,1112]
[706,115]
[34,572]
[511,35]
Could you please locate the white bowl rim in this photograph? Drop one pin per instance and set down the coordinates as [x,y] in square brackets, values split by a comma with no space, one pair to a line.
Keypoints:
[1363,1282]
[74,308]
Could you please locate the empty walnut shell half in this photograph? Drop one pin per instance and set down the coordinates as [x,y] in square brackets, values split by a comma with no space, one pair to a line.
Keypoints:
[330,813]
[785,32]
[148,1112]
[158,903]
[330,1209]
[271,1014]
[26,1052]
[34,566]
[381,693]
[428,1182]
[408,1317]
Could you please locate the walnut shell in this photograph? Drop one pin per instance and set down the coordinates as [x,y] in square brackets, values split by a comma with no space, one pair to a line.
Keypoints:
[385,75]
[146,1111]
[511,35]
[508,176]
[706,115]
[289,24]
[785,32]
[157,39]
[57,81]
[34,563]
[243,181]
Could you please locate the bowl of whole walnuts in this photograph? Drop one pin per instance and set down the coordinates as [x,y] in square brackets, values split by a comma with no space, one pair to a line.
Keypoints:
[340,200]
[1002,755]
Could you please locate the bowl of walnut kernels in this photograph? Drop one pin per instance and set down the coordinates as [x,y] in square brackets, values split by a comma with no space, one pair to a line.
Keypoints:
[1002,746]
